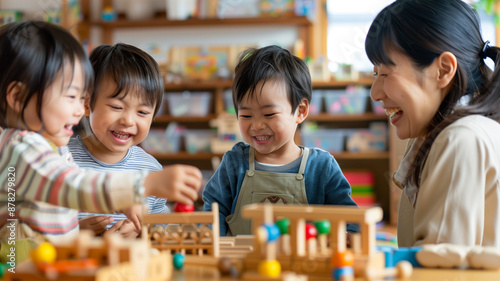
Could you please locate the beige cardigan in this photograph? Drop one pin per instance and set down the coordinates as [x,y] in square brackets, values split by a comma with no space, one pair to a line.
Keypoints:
[459,196]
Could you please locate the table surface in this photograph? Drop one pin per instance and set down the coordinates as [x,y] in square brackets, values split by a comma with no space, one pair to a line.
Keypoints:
[419,274]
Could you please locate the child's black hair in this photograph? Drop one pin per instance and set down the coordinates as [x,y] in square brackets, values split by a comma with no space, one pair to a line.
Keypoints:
[34,53]
[271,63]
[131,69]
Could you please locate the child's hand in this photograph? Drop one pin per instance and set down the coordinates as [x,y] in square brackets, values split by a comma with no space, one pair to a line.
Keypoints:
[126,229]
[95,223]
[134,214]
[178,183]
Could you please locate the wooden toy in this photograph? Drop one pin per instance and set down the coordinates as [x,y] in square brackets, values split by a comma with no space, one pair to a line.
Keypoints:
[341,259]
[267,235]
[53,270]
[300,260]
[44,254]
[323,227]
[406,254]
[345,273]
[96,258]
[3,269]
[284,227]
[181,208]
[186,233]
[178,260]
[403,270]
[311,233]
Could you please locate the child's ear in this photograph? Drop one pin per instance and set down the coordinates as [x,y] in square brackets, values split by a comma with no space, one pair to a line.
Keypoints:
[447,68]
[14,98]
[86,105]
[302,111]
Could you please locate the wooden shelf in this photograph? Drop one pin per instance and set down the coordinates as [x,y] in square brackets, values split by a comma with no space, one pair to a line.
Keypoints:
[199,85]
[164,22]
[360,156]
[184,119]
[184,156]
[207,156]
[341,84]
[319,117]
[346,117]
[226,84]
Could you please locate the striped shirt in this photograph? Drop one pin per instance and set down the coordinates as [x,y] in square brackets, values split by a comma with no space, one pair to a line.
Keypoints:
[45,191]
[136,159]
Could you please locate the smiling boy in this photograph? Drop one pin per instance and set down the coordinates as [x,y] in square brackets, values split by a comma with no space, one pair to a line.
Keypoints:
[271,92]
[127,94]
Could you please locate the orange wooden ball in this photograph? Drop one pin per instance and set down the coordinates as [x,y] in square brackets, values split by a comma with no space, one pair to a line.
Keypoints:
[341,259]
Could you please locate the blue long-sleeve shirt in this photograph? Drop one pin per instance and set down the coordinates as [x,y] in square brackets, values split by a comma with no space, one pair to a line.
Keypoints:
[324,182]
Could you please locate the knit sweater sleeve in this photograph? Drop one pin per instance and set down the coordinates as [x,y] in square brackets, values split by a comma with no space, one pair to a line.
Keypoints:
[41,174]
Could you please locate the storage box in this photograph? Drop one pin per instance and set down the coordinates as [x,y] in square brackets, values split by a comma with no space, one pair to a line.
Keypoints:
[189,103]
[364,140]
[362,183]
[342,102]
[331,140]
[377,107]
[316,102]
[228,101]
[198,140]
[158,141]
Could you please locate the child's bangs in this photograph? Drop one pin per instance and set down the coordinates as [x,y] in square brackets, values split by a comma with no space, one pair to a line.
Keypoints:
[137,85]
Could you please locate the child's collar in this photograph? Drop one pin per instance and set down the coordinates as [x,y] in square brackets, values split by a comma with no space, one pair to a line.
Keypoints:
[54,147]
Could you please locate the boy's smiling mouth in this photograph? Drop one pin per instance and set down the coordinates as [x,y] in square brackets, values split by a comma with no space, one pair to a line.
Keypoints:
[262,138]
[121,135]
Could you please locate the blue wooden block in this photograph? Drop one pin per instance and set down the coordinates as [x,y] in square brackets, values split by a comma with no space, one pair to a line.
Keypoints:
[388,253]
[345,271]
[406,254]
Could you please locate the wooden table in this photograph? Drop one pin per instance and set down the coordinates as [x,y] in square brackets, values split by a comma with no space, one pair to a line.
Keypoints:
[419,274]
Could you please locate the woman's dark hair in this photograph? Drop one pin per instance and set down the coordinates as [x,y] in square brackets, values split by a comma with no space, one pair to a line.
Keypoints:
[422,30]
[34,53]
[131,69]
[271,63]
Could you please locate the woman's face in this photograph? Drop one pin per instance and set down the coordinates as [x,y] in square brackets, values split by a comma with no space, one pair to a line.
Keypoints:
[410,96]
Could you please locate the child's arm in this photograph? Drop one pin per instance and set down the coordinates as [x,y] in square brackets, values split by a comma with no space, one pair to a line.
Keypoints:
[125,228]
[329,186]
[219,188]
[178,183]
[49,178]
[95,223]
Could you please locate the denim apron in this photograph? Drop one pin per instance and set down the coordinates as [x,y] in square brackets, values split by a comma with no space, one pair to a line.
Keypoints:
[267,187]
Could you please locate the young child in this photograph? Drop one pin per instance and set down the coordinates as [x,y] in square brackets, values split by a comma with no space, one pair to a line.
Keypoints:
[271,92]
[127,93]
[44,76]
[429,57]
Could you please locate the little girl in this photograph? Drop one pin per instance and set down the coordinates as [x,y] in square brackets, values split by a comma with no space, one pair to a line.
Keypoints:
[44,76]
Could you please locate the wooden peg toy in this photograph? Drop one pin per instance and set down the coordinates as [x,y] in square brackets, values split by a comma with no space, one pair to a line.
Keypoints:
[181,208]
[311,234]
[323,227]
[402,270]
